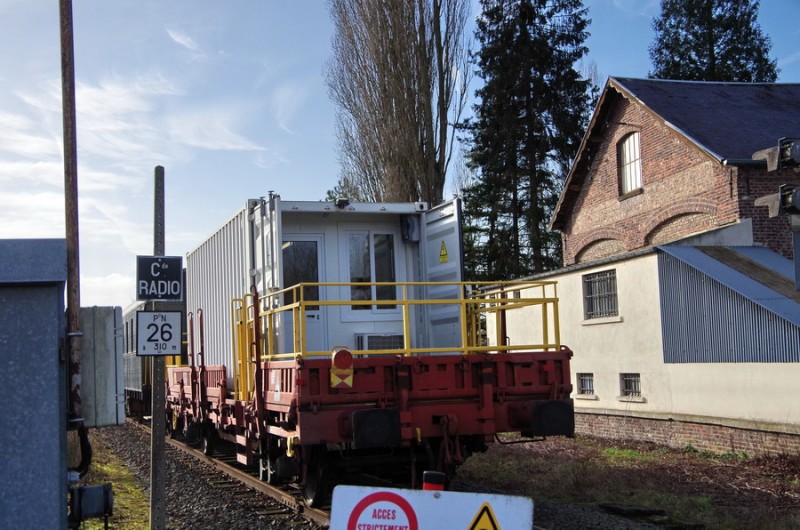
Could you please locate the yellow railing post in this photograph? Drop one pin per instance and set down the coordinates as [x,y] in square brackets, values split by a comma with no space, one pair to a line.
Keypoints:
[406,323]
[463,319]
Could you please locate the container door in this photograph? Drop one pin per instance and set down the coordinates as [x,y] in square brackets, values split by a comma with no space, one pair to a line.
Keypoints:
[442,254]
[265,223]
[302,263]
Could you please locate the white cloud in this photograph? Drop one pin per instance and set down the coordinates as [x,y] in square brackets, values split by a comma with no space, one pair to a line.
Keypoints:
[21,136]
[188,43]
[29,174]
[211,128]
[647,8]
[183,39]
[108,290]
[286,101]
[270,158]
[32,214]
[785,61]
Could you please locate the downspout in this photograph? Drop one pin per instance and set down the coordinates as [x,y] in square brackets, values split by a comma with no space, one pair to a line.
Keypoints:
[741,162]
[74,334]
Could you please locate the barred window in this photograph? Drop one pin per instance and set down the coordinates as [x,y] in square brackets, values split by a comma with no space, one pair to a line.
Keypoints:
[629,162]
[630,385]
[600,295]
[586,384]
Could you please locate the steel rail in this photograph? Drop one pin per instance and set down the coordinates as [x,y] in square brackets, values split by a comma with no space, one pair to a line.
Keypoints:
[286,498]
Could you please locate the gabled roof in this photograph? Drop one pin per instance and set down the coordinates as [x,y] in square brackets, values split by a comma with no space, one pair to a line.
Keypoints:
[727,121]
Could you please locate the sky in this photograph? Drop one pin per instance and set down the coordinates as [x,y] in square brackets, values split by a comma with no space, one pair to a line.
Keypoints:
[228,96]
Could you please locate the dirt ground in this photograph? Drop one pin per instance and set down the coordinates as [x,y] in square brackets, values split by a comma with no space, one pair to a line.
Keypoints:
[717,491]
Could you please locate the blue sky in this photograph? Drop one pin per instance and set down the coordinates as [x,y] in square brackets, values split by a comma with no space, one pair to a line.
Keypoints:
[228,96]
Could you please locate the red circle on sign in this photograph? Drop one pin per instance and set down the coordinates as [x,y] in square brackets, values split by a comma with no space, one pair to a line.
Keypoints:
[383,496]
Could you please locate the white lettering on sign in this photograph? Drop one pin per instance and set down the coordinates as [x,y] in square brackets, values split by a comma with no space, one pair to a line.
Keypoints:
[159,278]
[159,287]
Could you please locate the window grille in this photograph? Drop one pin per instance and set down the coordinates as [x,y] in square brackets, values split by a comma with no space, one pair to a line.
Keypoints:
[600,295]
[586,384]
[630,165]
[630,385]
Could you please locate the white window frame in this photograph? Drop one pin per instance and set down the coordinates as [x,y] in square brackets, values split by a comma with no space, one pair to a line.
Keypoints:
[373,313]
[629,159]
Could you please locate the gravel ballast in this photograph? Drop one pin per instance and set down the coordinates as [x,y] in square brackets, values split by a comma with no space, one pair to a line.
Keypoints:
[193,501]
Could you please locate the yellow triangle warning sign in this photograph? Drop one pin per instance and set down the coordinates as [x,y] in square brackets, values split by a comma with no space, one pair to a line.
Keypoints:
[484,519]
[443,253]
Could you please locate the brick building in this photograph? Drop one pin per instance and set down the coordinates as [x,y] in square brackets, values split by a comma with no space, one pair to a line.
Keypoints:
[677,294]
[663,160]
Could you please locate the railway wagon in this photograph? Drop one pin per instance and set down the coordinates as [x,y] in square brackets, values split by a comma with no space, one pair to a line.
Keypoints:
[331,339]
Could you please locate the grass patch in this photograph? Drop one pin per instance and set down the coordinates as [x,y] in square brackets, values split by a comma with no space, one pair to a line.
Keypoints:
[131,506]
[721,491]
[614,454]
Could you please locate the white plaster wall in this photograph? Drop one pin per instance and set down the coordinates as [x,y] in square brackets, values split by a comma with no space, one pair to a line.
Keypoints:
[629,343]
[757,394]
[744,394]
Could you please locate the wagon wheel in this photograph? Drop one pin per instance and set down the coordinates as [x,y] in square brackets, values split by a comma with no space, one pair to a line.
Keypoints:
[315,485]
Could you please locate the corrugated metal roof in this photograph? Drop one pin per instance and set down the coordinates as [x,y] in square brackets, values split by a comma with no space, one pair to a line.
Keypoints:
[756,282]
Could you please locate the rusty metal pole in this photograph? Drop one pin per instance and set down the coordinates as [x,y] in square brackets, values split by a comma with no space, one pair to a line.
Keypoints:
[158,431]
[75,411]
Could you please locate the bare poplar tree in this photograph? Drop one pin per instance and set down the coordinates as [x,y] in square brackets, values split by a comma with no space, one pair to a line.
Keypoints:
[399,76]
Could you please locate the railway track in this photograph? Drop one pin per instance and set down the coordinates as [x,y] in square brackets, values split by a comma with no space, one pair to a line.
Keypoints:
[238,476]
[224,473]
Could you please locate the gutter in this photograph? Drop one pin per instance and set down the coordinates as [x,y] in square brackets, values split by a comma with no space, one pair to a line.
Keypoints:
[744,162]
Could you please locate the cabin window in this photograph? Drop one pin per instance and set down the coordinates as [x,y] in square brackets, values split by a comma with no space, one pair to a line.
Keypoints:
[301,265]
[371,258]
[600,294]
[630,164]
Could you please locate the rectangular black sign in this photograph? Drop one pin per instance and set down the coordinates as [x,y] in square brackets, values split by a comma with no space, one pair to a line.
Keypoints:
[159,278]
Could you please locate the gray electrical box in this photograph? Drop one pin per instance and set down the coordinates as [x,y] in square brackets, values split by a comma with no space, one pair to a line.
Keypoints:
[33,477]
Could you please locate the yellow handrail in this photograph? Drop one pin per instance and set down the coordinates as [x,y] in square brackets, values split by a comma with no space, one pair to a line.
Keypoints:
[478,306]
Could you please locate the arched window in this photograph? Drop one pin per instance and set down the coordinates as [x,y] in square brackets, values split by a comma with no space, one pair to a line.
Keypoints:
[629,163]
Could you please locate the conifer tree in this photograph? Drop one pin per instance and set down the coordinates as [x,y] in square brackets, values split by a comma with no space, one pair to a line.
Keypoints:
[711,40]
[526,129]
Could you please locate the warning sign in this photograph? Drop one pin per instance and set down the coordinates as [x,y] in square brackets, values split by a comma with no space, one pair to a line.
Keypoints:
[341,378]
[363,508]
[485,519]
[443,253]
[383,510]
